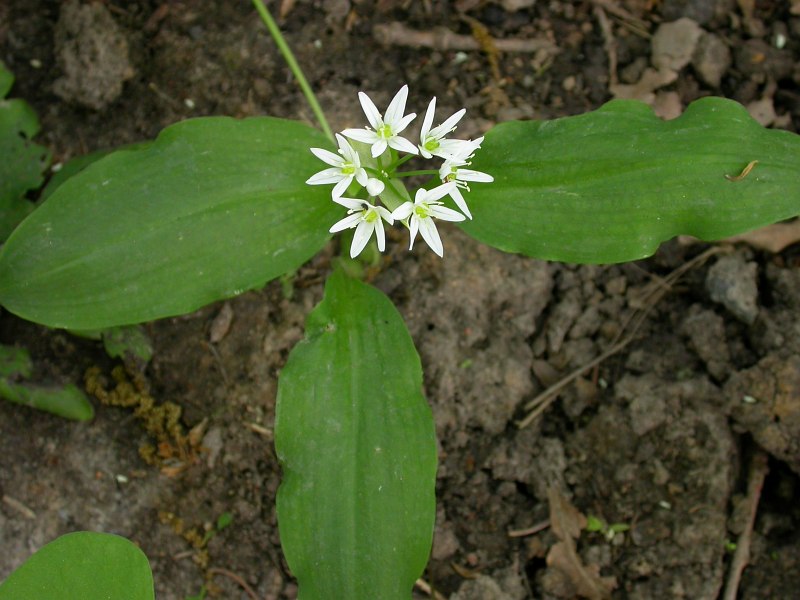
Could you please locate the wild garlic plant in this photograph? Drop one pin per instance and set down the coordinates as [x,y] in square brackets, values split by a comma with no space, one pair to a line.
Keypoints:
[216,206]
[374,162]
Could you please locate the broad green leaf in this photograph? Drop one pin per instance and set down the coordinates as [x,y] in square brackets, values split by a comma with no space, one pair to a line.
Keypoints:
[82,566]
[611,185]
[215,206]
[22,162]
[357,444]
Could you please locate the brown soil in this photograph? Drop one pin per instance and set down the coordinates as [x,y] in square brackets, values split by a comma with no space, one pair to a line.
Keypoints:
[657,437]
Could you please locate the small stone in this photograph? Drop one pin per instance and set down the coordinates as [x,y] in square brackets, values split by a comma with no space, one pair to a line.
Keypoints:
[732,282]
[92,52]
[674,44]
[711,59]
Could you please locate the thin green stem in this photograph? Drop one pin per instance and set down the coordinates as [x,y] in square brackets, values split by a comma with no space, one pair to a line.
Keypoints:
[276,34]
[415,173]
[403,160]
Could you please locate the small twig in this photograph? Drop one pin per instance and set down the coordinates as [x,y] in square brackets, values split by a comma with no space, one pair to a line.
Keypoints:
[629,20]
[514,533]
[19,507]
[231,575]
[745,172]
[426,588]
[609,44]
[757,473]
[441,38]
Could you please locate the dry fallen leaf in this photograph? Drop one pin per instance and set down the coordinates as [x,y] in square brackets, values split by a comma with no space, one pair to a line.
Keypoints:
[567,522]
[773,238]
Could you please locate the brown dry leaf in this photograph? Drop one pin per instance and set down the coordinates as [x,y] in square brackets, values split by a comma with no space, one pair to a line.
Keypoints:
[567,522]
[772,238]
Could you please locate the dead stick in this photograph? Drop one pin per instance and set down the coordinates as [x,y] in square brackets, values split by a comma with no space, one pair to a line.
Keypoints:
[242,583]
[757,474]
[440,38]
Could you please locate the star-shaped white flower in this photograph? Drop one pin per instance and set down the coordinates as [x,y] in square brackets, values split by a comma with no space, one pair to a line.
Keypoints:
[421,211]
[366,218]
[345,167]
[453,171]
[432,141]
[386,129]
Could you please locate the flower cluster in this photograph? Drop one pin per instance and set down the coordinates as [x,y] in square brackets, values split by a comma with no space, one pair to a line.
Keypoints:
[371,163]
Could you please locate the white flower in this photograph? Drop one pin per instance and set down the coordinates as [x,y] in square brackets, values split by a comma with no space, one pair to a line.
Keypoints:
[343,168]
[374,186]
[366,218]
[452,171]
[421,211]
[431,141]
[385,129]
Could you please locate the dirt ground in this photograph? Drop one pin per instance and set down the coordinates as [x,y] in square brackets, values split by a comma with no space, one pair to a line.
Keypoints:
[660,438]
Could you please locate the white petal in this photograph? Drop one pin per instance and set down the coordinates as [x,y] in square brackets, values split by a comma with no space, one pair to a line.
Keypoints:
[378,148]
[348,153]
[341,187]
[402,211]
[427,122]
[351,203]
[396,107]
[446,214]
[403,123]
[413,227]
[324,177]
[402,144]
[361,237]
[439,191]
[424,153]
[362,135]
[448,126]
[470,175]
[346,223]
[361,177]
[429,233]
[379,235]
[373,116]
[455,194]
[374,186]
[385,214]
[328,157]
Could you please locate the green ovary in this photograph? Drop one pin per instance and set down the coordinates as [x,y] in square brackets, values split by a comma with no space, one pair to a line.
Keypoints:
[431,144]
[422,211]
[371,216]
[385,132]
[348,169]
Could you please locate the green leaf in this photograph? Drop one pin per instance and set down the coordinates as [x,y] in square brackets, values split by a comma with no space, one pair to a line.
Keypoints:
[357,444]
[15,362]
[65,401]
[611,185]
[214,207]
[82,566]
[22,162]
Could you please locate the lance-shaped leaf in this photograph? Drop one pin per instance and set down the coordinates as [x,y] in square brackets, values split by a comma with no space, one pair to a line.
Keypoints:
[213,207]
[357,443]
[85,565]
[611,185]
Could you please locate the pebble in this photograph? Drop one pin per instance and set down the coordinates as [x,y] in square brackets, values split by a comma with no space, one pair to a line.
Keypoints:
[732,282]
[711,59]
[674,44]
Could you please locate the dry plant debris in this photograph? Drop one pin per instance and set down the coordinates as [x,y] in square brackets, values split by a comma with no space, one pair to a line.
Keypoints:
[567,522]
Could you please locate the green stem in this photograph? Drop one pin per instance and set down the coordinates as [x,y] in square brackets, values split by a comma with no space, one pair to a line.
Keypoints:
[276,34]
[397,163]
[415,173]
